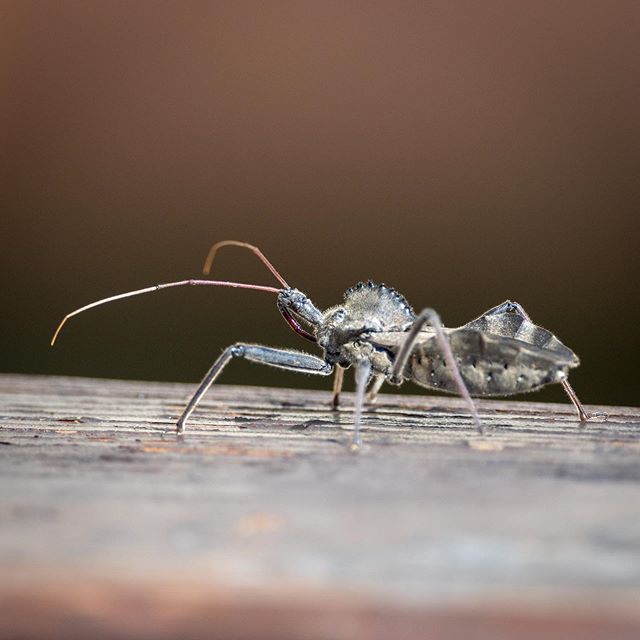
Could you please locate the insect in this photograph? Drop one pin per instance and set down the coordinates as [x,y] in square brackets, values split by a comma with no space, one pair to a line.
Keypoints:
[376,331]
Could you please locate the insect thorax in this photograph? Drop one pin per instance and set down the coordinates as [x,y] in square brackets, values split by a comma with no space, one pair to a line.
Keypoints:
[367,308]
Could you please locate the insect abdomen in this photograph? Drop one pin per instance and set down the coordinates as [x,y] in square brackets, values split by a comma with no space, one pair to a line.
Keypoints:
[489,365]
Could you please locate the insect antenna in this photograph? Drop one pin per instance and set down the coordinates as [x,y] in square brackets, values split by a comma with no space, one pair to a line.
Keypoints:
[157,287]
[286,314]
[236,243]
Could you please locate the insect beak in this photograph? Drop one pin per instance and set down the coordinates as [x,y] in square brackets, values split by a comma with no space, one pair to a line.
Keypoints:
[295,325]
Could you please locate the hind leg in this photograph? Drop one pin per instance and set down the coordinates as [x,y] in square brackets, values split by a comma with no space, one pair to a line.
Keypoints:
[517,308]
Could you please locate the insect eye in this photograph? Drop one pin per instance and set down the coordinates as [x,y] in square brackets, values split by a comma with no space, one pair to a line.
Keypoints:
[339,315]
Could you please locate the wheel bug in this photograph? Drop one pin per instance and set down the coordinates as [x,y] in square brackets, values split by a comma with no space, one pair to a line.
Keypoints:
[376,331]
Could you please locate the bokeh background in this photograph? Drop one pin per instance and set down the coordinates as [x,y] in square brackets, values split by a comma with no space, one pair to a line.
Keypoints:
[463,152]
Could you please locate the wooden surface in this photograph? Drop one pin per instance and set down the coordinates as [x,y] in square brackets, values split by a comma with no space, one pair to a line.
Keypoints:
[261,524]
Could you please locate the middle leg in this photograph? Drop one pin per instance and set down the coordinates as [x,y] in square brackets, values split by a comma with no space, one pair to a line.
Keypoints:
[429,316]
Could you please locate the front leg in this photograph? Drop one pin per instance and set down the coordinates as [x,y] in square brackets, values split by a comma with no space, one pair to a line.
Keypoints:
[279,358]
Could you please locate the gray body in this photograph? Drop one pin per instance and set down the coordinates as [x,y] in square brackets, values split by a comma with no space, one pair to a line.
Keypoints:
[376,331]
[500,353]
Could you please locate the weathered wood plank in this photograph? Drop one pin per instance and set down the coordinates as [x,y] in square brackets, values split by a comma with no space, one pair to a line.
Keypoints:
[261,523]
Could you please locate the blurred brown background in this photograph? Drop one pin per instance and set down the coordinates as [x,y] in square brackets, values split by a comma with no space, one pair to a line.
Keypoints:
[462,152]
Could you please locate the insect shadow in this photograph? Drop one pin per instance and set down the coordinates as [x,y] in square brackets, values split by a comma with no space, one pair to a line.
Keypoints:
[376,331]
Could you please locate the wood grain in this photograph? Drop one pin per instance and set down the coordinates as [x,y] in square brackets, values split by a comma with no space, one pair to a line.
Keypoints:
[260,523]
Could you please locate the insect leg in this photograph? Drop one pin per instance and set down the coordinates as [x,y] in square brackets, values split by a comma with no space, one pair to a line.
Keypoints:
[518,308]
[378,381]
[279,358]
[582,414]
[337,387]
[429,316]
[363,370]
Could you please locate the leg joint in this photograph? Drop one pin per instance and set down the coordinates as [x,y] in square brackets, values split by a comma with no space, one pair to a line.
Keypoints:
[237,350]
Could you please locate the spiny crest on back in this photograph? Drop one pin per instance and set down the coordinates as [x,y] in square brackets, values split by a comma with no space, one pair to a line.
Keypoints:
[377,300]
